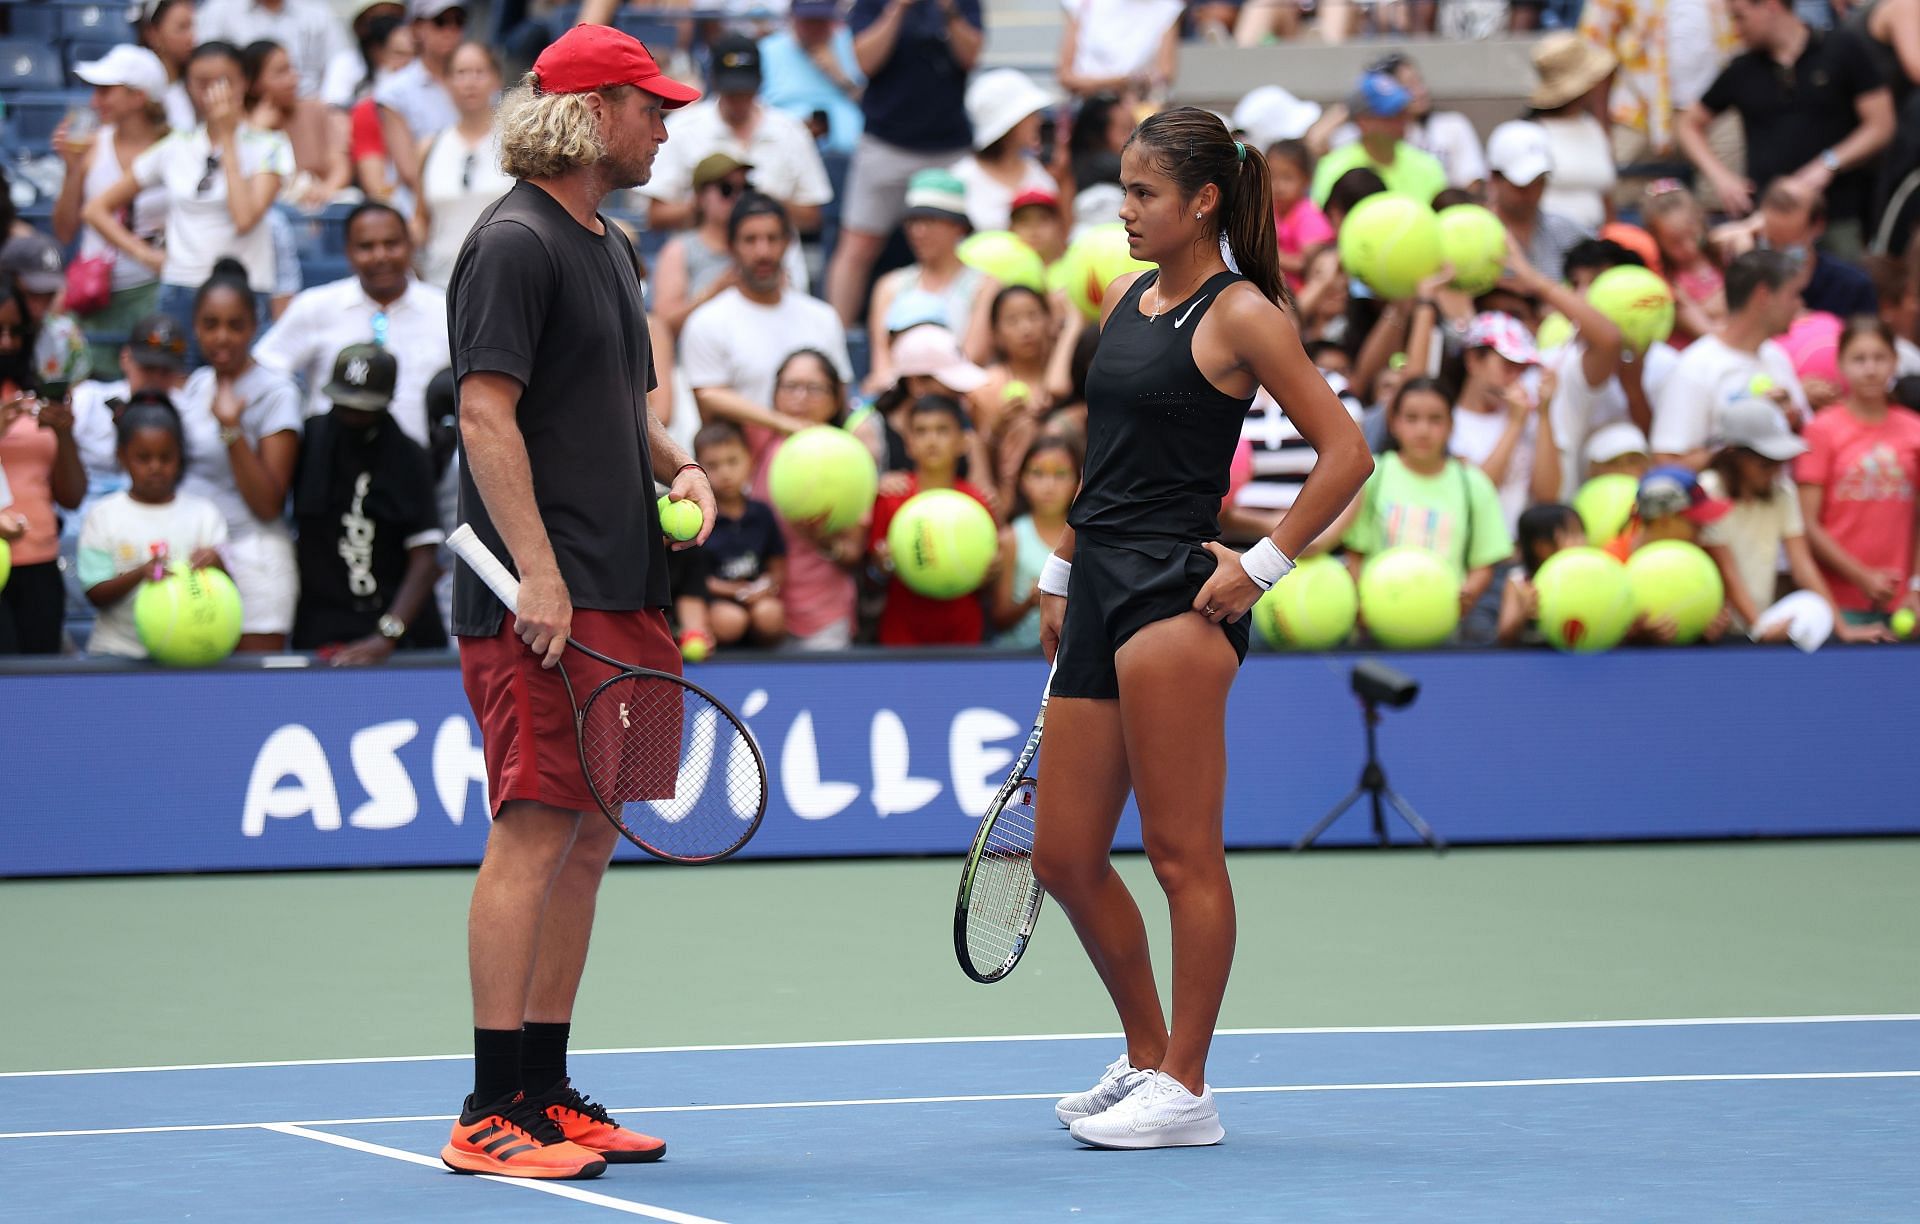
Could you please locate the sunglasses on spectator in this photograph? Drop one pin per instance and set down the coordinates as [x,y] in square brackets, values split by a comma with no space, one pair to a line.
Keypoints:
[727,188]
[206,180]
[452,17]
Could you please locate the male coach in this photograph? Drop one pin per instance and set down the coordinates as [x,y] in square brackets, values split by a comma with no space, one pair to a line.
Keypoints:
[557,466]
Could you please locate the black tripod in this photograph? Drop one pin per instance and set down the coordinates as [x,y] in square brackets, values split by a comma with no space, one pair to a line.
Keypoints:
[1373,785]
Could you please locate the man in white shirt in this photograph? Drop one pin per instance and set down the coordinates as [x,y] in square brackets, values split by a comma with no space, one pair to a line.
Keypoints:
[415,103]
[310,30]
[732,347]
[1739,361]
[381,302]
[786,162]
[1520,159]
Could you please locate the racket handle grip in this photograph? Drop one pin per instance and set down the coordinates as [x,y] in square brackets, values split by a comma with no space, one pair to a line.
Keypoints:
[482,562]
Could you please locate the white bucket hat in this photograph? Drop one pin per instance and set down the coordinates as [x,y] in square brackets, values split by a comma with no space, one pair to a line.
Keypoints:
[1000,98]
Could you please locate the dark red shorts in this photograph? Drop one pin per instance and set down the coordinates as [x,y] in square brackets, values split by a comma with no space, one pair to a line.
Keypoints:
[526,721]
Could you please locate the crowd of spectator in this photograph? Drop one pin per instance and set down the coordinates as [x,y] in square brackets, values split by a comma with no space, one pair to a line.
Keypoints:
[168,383]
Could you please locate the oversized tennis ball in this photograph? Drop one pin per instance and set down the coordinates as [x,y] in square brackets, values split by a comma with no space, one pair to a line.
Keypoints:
[1902,623]
[190,618]
[6,563]
[1410,597]
[1096,259]
[680,519]
[1392,242]
[1586,601]
[1555,330]
[1677,580]
[1475,243]
[942,542]
[823,470]
[1638,301]
[1313,608]
[1604,505]
[1005,258]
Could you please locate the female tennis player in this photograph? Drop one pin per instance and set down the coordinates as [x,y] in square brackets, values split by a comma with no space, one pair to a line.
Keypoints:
[1155,627]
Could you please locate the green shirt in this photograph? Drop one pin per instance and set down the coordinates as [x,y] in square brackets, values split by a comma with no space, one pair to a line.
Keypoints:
[1413,172]
[1456,514]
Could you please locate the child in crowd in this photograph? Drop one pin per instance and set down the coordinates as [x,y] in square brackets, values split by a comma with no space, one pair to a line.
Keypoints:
[1749,472]
[1049,476]
[1671,505]
[1543,531]
[1035,220]
[1857,483]
[936,438]
[746,555]
[1619,448]
[1422,497]
[1678,226]
[1297,220]
[149,522]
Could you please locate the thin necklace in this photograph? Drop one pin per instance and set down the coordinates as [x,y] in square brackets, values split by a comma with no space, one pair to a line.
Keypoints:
[1160,296]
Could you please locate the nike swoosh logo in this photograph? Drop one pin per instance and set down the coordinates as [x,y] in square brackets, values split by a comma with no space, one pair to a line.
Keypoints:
[1185,314]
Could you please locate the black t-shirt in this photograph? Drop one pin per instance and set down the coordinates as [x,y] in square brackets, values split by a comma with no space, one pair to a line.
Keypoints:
[918,98]
[1791,116]
[540,298]
[738,549]
[1839,288]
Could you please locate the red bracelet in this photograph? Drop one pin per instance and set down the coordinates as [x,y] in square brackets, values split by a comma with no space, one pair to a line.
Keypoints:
[683,467]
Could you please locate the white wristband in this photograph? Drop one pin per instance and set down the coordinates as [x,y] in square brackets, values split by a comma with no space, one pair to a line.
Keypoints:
[1054,574]
[1266,564]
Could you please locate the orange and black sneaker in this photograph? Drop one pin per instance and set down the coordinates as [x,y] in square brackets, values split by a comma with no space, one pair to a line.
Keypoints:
[589,1125]
[514,1137]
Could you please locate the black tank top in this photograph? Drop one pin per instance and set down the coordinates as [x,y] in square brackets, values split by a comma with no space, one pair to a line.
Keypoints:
[1160,437]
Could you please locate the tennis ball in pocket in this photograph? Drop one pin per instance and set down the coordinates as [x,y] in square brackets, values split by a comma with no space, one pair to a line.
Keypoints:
[1312,608]
[190,618]
[1902,623]
[1586,601]
[1410,597]
[1677,580]
[680,519]
[942,543]
[823,470]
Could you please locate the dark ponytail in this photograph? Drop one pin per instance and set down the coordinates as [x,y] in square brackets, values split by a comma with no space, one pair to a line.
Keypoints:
[1193,148]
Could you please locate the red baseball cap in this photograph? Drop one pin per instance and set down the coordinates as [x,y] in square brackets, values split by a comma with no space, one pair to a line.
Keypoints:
[591,57]
[1034,196]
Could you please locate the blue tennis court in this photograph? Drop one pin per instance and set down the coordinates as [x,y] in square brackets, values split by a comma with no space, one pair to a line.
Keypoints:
[1756,1119]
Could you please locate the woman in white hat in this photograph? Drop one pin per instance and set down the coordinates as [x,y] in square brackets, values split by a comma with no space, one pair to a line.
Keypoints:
[1572,70]
[129,109]
[1004,106]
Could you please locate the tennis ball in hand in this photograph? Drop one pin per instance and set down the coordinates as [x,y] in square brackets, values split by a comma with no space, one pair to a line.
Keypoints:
[1015,389]
[1902,623]
[190,618]
[1760,387]
[695,647]
[680,519]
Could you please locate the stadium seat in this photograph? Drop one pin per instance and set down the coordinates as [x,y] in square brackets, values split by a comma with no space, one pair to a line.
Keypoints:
[92,20]
[86,50]
[661,36]
[26,65]
[859,354]
[32,116]
[31,19]
[323,269]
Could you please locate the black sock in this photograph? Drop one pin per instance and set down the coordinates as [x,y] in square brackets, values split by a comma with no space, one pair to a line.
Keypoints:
[496,1064]
[543,1055]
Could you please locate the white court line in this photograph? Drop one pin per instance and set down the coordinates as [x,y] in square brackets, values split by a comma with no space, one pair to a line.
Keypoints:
[559,1189]
[1734,1077]
[1522,1026]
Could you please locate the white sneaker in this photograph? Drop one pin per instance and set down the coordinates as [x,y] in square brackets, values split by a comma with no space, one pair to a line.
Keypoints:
[1115,1083]
[1159,1112]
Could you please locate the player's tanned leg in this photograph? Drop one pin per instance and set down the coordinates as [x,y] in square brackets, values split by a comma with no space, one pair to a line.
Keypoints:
[1174,677]
[525,852]
[568,924]
[1083,787]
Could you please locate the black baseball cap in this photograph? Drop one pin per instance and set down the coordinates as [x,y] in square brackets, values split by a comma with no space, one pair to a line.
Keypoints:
[363,377]
[736,65]
[158,341]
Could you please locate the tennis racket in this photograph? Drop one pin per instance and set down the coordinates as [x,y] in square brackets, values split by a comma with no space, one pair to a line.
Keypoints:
[999,899]
[673,768]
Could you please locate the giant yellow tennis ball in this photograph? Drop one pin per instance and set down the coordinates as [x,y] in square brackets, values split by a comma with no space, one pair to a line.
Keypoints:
[1677,580]
[1638,301]
[681,520]
[1475,243]
[1586,601]
[1392,242]
[1096,259]
[942,542]
[823,470]
[6,563]
[1313,608]
[1005,258]
[1410,597]
[1555,330]
[190,618]
[1604,505]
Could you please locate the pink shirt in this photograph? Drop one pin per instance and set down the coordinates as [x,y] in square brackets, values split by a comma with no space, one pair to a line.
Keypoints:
[27,454]
[1304,226]
[818,594]
[1868,474]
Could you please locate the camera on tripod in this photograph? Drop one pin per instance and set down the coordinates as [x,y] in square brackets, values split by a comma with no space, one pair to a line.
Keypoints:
[1381,685]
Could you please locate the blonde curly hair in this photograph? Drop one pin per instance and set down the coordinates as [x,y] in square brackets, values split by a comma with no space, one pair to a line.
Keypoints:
[544,135]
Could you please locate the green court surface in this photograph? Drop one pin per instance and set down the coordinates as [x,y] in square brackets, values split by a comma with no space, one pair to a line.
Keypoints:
[195,969]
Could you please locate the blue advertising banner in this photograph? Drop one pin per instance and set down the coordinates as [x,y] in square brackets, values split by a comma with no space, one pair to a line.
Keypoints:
[258,768]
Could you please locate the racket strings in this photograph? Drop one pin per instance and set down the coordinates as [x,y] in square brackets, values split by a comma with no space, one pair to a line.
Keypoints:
[1003,898]
[676,772]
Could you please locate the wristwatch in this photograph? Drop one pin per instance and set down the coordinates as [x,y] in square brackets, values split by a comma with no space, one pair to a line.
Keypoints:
[229,434]
[392,628]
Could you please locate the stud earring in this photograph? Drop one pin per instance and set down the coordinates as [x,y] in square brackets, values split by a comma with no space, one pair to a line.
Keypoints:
[1199,216]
